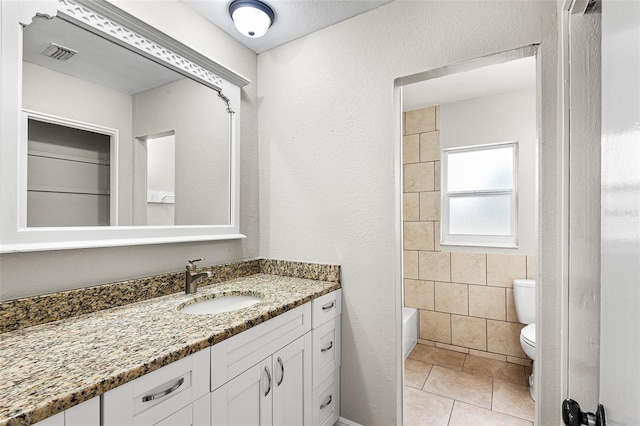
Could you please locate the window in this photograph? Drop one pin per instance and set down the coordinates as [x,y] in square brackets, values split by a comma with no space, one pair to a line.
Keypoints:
[479,195]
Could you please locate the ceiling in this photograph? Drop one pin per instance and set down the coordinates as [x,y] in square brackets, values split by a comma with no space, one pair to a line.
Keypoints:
[483,81]
[294,18]
[98,60]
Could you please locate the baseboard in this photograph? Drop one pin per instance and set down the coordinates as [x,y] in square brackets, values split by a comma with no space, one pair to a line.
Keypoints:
[345,422]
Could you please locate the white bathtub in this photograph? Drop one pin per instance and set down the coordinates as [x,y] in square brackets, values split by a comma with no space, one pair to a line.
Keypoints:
[410,323]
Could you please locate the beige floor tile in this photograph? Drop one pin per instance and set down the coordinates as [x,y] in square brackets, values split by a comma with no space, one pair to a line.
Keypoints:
[467,415]
[437,356]
[425,409]
[512,399]
[416,372]
[460,386]
[486,367]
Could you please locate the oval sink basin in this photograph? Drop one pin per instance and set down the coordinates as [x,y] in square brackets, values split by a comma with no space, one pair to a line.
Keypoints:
[221,304]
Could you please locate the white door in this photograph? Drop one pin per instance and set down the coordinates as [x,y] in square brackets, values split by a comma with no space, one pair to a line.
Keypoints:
[620,258]
[604,343]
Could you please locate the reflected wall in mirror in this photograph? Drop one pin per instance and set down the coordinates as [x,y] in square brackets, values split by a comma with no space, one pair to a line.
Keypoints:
[84,83]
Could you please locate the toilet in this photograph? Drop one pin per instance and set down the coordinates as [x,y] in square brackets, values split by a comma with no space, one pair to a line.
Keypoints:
[524,294]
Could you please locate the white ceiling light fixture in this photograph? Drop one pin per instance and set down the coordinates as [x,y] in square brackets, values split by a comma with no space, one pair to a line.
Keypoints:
[251,17]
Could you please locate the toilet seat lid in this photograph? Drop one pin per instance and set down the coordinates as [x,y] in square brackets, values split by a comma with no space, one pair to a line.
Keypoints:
[529,334]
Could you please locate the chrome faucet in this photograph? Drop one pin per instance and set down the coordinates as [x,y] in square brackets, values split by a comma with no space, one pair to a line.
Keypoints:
[191,278]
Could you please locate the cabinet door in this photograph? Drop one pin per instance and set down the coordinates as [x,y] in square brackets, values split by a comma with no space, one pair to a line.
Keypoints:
[202,411]
[85,414]
[57,420]
[246,399]
[292,383]
[326,350]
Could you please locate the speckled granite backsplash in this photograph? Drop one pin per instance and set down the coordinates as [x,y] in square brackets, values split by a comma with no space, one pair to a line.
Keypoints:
[26,312]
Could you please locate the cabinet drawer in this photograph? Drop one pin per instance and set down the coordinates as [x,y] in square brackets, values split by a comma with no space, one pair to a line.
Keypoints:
[155,396]
[326,347]
[326,401]
[326,307]
[231,357]
[181,417]
[84,414]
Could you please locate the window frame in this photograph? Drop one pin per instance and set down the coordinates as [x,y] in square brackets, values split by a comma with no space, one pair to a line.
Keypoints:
[478,240]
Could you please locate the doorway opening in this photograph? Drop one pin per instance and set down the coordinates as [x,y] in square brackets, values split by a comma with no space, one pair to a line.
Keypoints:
[159,178]
[469,230]
[71,179]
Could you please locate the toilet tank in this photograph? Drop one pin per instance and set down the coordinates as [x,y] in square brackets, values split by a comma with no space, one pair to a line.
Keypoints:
[524,295]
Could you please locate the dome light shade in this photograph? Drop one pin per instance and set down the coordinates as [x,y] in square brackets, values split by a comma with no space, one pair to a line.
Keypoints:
[251,17]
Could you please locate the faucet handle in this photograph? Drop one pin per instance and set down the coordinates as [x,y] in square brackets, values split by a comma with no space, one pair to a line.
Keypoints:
[191,266]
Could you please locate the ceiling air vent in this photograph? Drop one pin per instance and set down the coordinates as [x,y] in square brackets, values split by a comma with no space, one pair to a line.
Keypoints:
[58,52]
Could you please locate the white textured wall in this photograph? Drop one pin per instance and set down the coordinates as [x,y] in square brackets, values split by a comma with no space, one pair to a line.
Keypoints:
[328,135]
[45,272]
[502,117]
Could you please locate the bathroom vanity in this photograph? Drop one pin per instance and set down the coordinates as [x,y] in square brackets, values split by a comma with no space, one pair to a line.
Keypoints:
[126,353]
[148,363]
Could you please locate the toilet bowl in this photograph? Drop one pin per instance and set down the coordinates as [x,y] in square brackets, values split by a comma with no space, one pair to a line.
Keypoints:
[524,294]
[528,340]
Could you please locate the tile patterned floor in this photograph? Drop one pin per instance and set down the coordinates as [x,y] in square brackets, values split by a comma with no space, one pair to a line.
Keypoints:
[447,388]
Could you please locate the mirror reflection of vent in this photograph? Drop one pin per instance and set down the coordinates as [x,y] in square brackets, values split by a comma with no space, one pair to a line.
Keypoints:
[58,52]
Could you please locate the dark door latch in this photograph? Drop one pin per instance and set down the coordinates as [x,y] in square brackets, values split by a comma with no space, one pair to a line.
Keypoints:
[572,415]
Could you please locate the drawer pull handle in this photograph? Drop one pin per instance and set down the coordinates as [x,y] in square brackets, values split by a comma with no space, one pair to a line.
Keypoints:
[164,392]
[281,371]
[266,369]
[326,404]
[328,306]
[328,348]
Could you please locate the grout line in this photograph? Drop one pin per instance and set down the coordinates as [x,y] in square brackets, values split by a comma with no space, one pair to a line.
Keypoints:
[493,381]
[486,335]
[451,411]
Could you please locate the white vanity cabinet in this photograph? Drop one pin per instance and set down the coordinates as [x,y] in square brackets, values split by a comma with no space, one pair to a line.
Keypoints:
[284,371]
[271,392]
[84,414]
[262,376]
[177,394]
[326,312]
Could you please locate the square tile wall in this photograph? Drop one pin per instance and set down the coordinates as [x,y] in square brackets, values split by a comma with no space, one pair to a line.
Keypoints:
[465,300]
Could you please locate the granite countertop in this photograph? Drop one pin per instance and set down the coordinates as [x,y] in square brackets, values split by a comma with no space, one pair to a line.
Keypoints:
[50,367]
